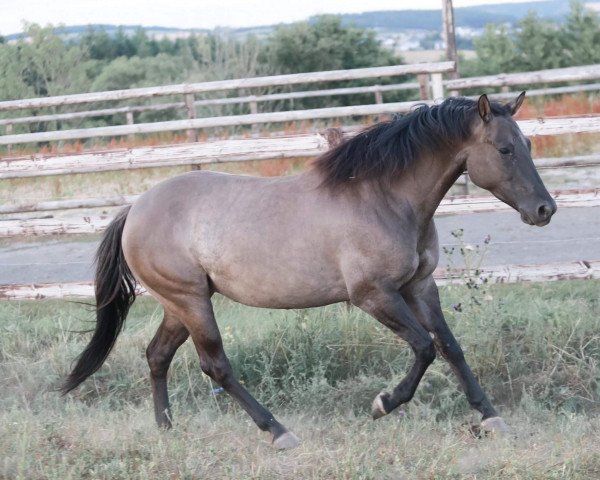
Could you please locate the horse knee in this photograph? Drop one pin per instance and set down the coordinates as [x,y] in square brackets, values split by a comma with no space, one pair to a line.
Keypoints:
[426,352]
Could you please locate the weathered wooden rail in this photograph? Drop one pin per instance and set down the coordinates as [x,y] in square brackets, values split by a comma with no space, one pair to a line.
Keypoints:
[211,122]
[505,80]
[377,90]
[246,149]
[591,72]
[90,224]
[550,126]
[235,84]
[496,274]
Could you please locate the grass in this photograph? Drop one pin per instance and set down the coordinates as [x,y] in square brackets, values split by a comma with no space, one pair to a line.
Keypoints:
[536,349]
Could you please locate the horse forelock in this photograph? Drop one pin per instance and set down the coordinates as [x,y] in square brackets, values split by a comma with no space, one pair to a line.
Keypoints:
[386,149]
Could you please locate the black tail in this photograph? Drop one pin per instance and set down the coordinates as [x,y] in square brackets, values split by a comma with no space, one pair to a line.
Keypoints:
[115,292]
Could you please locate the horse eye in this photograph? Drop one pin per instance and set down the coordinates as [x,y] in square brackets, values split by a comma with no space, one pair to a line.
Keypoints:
[504,150]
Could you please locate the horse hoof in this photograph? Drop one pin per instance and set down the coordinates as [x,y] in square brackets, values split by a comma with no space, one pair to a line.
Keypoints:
[377,408]
[494,425]
[286,441]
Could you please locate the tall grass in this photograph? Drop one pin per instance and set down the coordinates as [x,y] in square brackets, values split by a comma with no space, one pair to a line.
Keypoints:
[535,348]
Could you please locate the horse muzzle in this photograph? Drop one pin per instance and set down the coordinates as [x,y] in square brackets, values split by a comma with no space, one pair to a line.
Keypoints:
[540,215]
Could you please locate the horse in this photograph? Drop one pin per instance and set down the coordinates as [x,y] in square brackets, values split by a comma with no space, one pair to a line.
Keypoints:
[356,227]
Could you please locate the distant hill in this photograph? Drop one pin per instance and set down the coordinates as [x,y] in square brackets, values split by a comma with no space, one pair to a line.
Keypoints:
[472,17]
[73,31]
[475,17]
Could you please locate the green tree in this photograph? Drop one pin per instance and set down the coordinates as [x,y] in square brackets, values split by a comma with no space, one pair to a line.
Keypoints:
[325,45]
[540,44]
[135,72]
[496,52]
[581,36]
[48,65]
[12,80]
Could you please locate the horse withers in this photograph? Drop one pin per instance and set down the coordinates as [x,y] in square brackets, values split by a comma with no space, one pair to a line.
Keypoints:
[358,227]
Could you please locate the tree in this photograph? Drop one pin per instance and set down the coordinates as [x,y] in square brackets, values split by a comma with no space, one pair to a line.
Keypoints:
[48,65]
[538,44]
[135,72]
[496,52]
[325,45]
[581,36]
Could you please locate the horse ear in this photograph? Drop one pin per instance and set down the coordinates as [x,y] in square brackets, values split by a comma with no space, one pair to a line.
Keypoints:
[484,107]
[514,106]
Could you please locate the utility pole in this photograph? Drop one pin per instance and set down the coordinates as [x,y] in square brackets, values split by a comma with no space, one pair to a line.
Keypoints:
[449,35]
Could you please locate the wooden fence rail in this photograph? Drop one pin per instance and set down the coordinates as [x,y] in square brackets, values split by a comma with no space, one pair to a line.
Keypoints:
[556,75]
[375,89]
[589,72]
[122,200]
[182,154]
[222,85]
[494,274]
[246,149]
[550,126]
[84,224]
[198,123]
[211,102]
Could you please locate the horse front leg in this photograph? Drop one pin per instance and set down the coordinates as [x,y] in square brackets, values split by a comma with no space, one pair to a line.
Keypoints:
[424,301]
[389,308]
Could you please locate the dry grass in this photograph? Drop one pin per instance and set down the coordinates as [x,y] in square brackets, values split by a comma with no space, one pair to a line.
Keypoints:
[536,349]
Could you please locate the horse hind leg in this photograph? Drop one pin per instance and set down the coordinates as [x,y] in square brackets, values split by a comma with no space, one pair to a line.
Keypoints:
[169,337]
[196,314]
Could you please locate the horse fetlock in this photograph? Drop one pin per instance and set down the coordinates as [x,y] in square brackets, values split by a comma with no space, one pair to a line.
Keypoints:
[163,419]
[285,441]
[380,406]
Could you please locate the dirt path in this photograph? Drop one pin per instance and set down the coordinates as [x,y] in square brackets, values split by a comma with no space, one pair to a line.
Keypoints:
[573,234]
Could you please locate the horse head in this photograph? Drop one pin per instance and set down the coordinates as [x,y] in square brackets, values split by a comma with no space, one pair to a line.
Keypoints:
[499,160]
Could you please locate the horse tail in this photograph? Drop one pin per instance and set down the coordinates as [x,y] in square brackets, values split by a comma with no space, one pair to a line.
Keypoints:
[115,292]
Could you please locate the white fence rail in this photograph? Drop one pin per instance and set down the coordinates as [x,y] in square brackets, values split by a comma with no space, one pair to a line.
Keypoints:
[591,72]
[246,149]
[84,224]
[222,85]
[556,75]
[499,274]
[435,70]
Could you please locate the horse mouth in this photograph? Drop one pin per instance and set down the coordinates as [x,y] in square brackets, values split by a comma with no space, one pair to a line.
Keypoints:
[538,223]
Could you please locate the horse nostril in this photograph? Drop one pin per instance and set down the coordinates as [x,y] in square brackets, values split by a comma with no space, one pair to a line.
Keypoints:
[544,211]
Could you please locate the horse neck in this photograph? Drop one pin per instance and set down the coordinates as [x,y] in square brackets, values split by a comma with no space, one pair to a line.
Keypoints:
[425,183]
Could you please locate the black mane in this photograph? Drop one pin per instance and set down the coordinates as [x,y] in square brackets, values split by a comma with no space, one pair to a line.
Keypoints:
[387,148]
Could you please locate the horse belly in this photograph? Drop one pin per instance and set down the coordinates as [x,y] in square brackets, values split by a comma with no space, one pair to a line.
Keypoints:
[279,284]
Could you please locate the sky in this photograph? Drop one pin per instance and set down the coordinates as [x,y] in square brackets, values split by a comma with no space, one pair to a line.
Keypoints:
[192,14]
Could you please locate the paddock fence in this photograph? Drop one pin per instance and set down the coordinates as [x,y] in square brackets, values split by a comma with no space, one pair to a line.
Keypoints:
[248,149]
[430,86]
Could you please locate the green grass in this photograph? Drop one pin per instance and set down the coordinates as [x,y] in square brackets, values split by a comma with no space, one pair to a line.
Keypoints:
[535,348]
